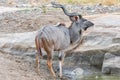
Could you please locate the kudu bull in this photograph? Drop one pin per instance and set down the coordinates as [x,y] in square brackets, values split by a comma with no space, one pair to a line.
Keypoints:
[60,38]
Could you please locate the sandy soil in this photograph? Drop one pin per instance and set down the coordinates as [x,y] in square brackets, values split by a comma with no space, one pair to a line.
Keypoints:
[17,68]
[26,20]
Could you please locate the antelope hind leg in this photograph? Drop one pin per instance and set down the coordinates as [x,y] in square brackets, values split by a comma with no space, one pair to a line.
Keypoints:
[49,63]
[37,64]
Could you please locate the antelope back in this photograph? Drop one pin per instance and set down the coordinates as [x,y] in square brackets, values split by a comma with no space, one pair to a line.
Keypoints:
[58,37]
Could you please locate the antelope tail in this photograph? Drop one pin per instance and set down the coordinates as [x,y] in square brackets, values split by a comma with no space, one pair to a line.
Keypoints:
[38,46]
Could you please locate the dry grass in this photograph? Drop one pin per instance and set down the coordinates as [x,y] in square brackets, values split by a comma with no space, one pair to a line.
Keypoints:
[110,2]
[105,2]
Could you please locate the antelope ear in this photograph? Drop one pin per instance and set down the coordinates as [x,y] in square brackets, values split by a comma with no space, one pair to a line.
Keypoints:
[74,18]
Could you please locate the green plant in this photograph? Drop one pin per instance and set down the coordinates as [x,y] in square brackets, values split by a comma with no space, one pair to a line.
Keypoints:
[44,9]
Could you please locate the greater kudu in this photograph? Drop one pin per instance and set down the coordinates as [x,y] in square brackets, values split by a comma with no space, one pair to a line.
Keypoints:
[60,38]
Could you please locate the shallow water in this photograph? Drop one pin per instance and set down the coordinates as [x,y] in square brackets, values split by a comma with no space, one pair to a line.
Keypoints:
[101,77]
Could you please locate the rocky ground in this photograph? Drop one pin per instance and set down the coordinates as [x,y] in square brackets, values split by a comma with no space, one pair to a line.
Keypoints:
[98,54]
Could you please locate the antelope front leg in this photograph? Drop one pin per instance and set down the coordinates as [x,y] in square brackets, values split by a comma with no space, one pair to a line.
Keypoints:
[61,60]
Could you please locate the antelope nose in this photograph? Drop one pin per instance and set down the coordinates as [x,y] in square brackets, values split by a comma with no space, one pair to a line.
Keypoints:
[89,23]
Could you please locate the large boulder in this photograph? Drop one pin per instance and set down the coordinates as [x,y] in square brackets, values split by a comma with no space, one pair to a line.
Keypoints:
[18,43]
[111,64]
[104,38]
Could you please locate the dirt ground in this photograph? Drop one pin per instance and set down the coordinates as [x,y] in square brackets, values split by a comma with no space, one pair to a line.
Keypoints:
[29,20]
[16,68]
